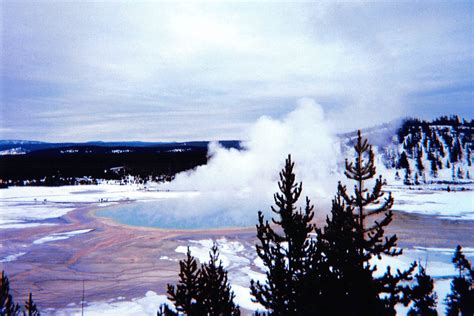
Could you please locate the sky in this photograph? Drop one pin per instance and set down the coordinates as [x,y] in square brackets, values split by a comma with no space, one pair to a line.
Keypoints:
[165,71]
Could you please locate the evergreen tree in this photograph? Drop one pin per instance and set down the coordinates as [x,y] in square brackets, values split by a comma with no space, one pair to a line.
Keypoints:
[30,308]
[461,298]
[403,161]
[354,235]
[185,294]
[216,295]
[434,168]
[456,151]
[407,179]
[204,291]
[419,162]
[422,295]
[468,155]
[290,255]
[7,306]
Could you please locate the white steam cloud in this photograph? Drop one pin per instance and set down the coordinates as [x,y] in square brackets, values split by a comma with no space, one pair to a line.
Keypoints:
[234,184]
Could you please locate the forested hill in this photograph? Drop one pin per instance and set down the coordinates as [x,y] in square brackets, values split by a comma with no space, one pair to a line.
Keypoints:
[431,151]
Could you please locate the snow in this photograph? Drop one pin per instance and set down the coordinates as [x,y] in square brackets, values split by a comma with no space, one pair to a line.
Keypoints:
[29,206]
[13,151]
[454,205]
[60,236]
[13,257]
[21,224]
[243,298]
[19,214]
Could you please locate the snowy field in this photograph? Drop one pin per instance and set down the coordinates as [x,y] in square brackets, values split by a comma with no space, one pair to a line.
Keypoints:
[23,208]
[435,200]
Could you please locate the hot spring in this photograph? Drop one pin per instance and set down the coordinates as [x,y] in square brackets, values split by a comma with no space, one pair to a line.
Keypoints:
[180,213]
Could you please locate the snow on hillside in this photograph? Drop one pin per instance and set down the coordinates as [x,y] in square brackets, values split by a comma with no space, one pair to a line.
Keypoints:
[13,151]
[429,152]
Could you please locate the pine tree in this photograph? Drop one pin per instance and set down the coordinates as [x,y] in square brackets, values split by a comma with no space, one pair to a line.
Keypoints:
[215,293]
[468,155]
[203,291]
[185,293]
[434,168]
[289,254]
[7,306]
[422,295]
[403,161]
[419,162]
[354,235]
[461,298]
[30,308]
[407,179]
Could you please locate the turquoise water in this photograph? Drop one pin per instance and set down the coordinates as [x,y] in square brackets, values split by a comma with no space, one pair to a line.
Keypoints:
[165,214]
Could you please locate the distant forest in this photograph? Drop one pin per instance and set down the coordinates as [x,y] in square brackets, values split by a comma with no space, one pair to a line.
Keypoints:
[87,164]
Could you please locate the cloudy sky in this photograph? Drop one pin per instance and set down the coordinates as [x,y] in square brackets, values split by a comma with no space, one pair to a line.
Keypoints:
[78,71]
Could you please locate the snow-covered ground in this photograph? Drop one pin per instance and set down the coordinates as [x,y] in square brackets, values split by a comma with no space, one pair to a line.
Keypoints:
[431,200]
[60,236]
[23,207]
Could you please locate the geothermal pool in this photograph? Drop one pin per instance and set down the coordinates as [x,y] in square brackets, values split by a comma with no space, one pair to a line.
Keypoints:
[183,211]
[167,215]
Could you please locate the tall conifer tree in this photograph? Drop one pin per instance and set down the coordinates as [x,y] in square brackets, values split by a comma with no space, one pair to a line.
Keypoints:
[185,293]
[354,235]
[215,293]
[288,252]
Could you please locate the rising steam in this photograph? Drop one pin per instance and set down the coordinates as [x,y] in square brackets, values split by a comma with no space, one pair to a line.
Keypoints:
[234,184]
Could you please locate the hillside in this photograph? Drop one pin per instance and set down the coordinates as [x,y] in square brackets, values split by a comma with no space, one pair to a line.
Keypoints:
[427,152]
